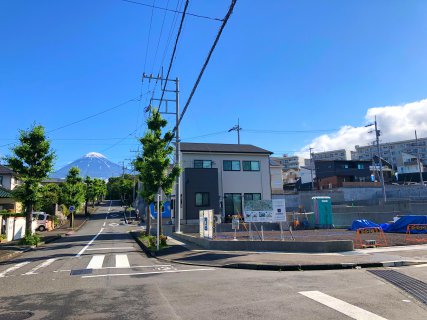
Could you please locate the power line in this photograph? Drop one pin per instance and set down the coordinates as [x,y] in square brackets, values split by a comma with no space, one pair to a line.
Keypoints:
[149,34]
[170,10]
[174,51]
[160,37]
[227,16]
[207,135]
[289,131]
[118,142]
[93,116]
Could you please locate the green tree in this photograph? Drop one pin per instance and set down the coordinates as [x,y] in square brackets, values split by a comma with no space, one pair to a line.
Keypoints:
[89,192]
[100,190]
[48,198]
[154,164]
[73,191]
[32,160]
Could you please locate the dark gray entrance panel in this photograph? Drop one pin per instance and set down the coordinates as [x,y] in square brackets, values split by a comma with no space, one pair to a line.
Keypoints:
[200,181]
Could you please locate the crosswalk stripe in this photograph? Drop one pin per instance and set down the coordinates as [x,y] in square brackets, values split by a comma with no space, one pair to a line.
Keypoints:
[341,306]
[96,262]
[42,265]
[122,261]
[15,267]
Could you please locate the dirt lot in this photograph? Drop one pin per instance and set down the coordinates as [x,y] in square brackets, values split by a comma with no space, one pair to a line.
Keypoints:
[393,239]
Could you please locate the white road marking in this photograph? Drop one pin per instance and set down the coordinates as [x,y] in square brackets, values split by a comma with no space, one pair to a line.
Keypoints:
[42,265]
[145,273]
[113,224]
[15,267]
[341,306]
[90,242]
[122,261]
[419,265]
[113,248]
[103,224]
[96,262]
[130,267]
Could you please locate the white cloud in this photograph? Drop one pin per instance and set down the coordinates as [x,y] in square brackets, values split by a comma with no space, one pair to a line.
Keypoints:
[395,122]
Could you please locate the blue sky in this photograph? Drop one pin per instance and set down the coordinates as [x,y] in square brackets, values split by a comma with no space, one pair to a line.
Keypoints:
[280,65]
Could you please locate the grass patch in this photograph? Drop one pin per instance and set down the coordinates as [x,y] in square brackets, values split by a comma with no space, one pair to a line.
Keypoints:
[150,242]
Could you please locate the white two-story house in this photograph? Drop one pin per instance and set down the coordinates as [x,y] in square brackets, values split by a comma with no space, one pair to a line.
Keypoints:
[221,177]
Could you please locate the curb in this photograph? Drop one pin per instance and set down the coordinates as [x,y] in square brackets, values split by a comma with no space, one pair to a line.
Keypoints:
[299,267]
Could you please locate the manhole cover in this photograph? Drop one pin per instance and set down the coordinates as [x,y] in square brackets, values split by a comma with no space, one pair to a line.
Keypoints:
[413,286]
[19,315]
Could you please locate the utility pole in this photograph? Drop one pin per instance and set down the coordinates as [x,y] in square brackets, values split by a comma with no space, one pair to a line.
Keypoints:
[419,160]
[377,135]
[237,128]
[311,168]
[177,137]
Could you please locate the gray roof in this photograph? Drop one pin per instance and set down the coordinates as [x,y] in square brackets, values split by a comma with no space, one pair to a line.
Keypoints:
[275,163]
[6,170]
[222,148]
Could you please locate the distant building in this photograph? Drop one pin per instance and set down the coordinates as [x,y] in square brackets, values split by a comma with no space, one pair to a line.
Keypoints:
[290,162]
[222,176]
[408,163]
[334,173]
[8,182]
[276,175]
[340,154]
[392,151]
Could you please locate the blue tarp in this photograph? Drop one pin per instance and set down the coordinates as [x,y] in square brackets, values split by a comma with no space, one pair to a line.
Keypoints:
[400,225]
[166,207]
[363,223]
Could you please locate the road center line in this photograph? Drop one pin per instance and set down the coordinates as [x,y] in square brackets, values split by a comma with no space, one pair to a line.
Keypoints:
[42,265]
[341,306]
[90,242]
[153,272]
[16,266]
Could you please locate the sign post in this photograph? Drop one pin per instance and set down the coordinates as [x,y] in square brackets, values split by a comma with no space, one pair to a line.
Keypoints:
[71,209]
[235,226]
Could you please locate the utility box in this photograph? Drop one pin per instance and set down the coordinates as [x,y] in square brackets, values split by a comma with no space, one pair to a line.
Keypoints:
[322,207]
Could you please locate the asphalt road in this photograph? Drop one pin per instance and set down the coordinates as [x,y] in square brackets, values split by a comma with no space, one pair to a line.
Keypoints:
[100,273]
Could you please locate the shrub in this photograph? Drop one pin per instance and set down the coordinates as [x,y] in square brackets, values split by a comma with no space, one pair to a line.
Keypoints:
[163,240]
[151,241]
[31,239]
[2,237]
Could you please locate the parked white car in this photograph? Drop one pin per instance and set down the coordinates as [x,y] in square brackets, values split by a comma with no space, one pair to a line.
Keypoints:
[42,219]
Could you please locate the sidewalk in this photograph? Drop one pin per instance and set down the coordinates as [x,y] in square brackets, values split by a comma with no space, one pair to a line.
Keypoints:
[9,250]
[187,253]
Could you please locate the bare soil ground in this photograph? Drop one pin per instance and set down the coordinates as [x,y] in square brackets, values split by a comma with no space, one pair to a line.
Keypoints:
[393,239]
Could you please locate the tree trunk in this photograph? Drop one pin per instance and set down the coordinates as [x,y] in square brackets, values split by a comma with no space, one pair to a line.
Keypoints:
[71,219]
[28,218]
[148,221]
[86,213]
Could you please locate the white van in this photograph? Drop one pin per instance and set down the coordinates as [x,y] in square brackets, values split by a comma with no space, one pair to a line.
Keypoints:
[42,219]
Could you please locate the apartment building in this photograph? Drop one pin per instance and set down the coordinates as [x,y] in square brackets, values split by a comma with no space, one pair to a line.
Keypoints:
[221,177]
[340,154]
[392,151]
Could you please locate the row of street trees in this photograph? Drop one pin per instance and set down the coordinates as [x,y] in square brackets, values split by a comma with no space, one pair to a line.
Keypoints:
[32,160]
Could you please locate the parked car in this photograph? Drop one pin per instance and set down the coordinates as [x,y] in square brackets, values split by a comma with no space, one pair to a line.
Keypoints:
[42,219]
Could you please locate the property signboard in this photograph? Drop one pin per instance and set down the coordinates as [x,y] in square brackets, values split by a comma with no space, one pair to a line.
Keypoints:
[265,211]
[206,223]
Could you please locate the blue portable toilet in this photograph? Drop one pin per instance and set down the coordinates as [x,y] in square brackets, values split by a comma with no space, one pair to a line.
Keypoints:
[322,207]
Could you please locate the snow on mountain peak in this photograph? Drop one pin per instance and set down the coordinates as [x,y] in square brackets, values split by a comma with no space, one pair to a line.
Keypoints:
[94,155]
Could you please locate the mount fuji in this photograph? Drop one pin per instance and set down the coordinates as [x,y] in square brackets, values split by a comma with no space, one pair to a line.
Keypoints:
[94,165]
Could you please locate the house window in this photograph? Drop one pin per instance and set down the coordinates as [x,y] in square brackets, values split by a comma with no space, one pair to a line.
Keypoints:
[203,164]
[233,204]
[360,166]
[1,180]
[202,199]
[231,165]
[252,196]
[250,165]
